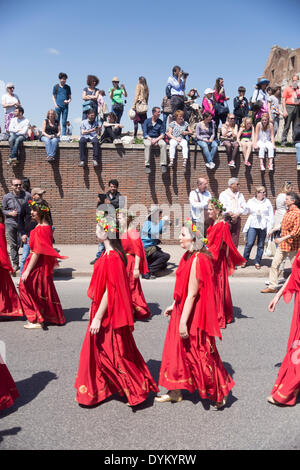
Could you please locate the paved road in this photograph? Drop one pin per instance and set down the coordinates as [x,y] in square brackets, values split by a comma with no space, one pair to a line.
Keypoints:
[44,365]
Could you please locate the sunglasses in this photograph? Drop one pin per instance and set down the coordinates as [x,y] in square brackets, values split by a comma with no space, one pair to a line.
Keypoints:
[17,185]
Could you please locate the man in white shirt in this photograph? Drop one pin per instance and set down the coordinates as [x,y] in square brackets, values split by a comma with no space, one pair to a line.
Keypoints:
[18,130]
[235,205]
[199,203]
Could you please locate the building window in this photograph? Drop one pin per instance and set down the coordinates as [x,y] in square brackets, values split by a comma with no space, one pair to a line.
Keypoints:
[293,62]
[273,73]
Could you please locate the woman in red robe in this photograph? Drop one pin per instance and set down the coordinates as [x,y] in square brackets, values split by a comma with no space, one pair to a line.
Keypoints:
[110,361]
[10,305]
[190,358]
[136,264]
[8,389]
[225,259]
[287,385]
[38,295]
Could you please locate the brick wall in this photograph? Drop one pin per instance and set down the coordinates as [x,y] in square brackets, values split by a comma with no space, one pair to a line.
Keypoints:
[72,191]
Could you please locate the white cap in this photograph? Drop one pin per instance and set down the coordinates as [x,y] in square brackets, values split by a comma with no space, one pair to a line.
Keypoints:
[208,90]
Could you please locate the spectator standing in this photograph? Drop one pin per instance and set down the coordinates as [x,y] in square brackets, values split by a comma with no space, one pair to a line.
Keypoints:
[116,95]
[220,98]
[280,210]
[245,138]
[264,140]
[90,96]
[153,134]
[61,96]
[240,106]
[140,103]
[18,132]
[229,134]
[178,130]
[193,108]
[288,242]
[102,106]
[89,130]
[152,228]
[9,102]
[199,198]
[296,138]
[259,100]
[205,135]
[176,85]
[50,134]
[112,130]
[167,111]
[11,207]
[235,206]
[273,107]
[258,224]
[208,103]
[290,106]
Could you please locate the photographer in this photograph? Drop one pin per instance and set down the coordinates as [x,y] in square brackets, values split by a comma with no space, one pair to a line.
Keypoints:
[176,84]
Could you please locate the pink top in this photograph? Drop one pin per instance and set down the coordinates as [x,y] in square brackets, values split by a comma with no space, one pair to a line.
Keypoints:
[220,97]
[208,106]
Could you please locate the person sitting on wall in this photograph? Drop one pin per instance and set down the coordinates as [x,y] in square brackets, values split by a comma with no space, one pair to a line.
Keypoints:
[153,132]
[18,130]
[89,129]
[152,229]
[112,130]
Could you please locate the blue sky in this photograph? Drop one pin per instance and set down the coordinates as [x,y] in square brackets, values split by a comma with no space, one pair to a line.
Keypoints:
[229,38]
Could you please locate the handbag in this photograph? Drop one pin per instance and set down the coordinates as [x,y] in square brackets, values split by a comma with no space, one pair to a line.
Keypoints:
[256,105]
[86,106]
[221,109]
[141,107]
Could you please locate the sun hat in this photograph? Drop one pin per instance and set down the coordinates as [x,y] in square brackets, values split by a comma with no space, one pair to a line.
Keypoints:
[263,80]
[115,79]
[208,90]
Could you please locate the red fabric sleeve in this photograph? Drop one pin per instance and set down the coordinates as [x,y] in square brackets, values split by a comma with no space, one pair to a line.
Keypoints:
[4,258]
[41,241]
[293,284]
[139,250]
[206,317]
[234,258]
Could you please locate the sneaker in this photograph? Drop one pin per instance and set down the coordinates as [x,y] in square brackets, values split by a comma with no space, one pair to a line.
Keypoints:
[231,163]
[163,168]
[95,163]
[147,169]
[262,167]
[271,167]
[212,165]
[117,141]
[298,166]
[207,164]
[50,159]
[81,164]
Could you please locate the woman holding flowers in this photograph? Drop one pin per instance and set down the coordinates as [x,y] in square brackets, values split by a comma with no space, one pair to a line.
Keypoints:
[110,361]
[225,259]
[38,295]
[190,358]
[136,264]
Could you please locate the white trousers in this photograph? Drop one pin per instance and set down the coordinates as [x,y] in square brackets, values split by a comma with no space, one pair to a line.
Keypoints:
[183,144]
[263,146]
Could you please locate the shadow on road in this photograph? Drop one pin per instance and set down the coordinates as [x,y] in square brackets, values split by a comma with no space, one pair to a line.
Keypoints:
[75,314]
[9,432]
[237,313]
[154,309]
[29,389]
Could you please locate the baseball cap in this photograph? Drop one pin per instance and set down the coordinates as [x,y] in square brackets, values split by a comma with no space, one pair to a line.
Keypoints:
[37,191]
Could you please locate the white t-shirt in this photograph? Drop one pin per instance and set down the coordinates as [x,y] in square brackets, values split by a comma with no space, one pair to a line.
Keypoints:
[11,100]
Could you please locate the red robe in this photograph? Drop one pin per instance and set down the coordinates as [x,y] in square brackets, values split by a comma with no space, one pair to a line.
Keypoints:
[194,363]
[10,305]
[110,361]
[133,246]
[219,244]
[38,295]
[287,385]
[8,389]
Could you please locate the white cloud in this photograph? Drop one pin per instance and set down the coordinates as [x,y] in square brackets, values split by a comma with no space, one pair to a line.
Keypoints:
[53,51]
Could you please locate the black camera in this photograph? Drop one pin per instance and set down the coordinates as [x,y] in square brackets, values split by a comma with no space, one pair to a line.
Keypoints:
[185,75]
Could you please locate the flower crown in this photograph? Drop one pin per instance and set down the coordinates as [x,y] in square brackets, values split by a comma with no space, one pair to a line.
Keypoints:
[217,204]
[108,224]
[38,205]
[188,223]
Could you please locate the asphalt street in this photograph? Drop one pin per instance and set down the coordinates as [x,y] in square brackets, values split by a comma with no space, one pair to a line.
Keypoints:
[44,365]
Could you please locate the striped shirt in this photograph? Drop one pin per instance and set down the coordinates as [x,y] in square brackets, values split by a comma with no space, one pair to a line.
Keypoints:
[290,225]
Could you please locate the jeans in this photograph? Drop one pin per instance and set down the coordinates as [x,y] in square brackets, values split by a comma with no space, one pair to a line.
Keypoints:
[252,234]
[63,111]
[208,149]
[25,254]
[51,145]
[297,145]
[14,243]
[82,148]
[118,111]
[100,250]
[14,142]
[165,122]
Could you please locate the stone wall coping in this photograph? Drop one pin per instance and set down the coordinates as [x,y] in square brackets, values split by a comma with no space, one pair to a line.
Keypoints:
[39,144]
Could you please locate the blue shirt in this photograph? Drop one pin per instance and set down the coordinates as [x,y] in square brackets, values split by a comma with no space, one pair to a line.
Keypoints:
[61,94]
[176,86]
[150,233]
[86,125]
[153,131]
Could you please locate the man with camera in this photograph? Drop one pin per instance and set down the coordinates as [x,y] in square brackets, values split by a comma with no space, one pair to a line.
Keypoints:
[176,84]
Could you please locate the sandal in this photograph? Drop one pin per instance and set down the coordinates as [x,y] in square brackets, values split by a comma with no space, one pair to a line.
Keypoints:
[33,326]
[220,405]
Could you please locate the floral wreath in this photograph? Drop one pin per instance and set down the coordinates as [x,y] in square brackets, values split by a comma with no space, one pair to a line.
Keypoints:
[217,204]
[38,205]
[108,224]
[188,223]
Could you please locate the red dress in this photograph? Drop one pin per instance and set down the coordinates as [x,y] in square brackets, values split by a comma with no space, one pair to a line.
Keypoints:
[194,363]
[38,295]
[287,385]
[10,305]
[8,389]
[110,361]
[225,259]
[133,246]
